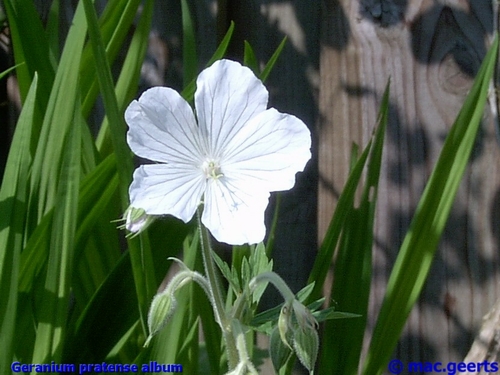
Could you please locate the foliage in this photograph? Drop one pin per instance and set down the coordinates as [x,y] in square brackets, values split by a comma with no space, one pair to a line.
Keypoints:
[75,290]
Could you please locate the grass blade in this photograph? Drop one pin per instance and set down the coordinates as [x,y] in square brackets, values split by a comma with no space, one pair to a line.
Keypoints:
[327,249]
[116,120]
[13,197]
[188,92]
[250,60]
[53,311]
[140,252]
[31,46]
[7,71]
[353,264]
[126,87]
[59,117]
[190,66]
[270,64]
[106,318]
[114,25]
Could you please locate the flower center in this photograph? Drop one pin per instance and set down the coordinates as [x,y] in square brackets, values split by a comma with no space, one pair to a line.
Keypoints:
[212,169]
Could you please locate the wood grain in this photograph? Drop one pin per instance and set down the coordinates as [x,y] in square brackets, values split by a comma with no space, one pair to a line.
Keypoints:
[431,51]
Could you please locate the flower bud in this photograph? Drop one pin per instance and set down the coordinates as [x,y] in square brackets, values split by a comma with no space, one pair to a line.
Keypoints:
[160,312]
[136,220]
[297,324]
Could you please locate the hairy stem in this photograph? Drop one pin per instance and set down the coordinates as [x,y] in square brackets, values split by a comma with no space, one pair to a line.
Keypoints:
[216,294]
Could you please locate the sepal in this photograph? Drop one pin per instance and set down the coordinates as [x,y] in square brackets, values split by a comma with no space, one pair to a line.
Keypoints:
[278,350]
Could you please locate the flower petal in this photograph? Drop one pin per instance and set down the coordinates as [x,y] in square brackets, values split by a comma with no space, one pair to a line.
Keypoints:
[162,127]
[166,189]
[268,151]
[232,214]
[227,96]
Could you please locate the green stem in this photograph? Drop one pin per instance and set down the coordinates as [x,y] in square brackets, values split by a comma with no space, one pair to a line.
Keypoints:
[277,281]
[216,295]
[241,346]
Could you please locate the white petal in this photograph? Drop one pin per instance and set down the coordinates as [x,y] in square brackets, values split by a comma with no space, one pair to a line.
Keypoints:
[162,127]
[227,96]
[166,189]
[268,151]
[232,214]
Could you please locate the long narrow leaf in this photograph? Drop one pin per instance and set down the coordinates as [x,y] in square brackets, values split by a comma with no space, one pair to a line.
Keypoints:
[270,64]
[58,120]
[168,344]
[7,71]
[327,249]
[31,46]
[54,306]
[116,121]
[13,199]
[93,191]
[352,272]
[140,253]
[106,318]
[188,45]
[249,59]
[114,26]
[126,87]
[188,91]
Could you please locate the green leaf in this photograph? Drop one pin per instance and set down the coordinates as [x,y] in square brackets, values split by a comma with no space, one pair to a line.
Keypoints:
[30,46]
[419,246]
[231,275]
[114,25]
[58,120]
[250,60]
[330,313]
[52,314]
[259,263]
[53,27]
[94,192]
[188,92]
[274,225]
[169,346]
[270,64]
[189,58]
[140,251]
[13,199]
[116,120]
[105,319]
[326,251]
[7,71]
[127,84]
[353,264]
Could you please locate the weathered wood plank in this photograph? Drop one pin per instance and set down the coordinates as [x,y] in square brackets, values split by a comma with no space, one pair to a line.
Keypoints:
[431,51]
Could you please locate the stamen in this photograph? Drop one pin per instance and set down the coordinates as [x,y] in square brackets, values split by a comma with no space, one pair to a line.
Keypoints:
[212,169]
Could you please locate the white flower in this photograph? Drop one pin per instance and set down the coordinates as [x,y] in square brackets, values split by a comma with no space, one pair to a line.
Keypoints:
[237,153]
